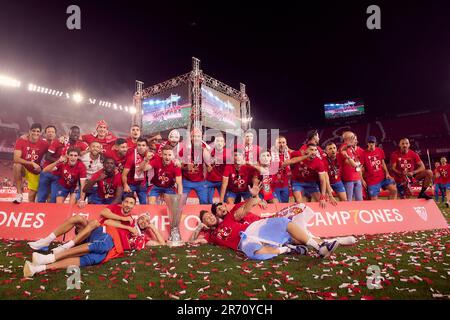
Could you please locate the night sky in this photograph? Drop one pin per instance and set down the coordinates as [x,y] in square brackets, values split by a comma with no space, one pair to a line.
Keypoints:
[292,57]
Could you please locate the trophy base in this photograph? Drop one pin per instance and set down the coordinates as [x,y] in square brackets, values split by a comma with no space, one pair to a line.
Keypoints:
[175,243]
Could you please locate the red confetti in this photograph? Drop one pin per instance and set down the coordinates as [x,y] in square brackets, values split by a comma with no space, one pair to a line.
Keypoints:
[132,296]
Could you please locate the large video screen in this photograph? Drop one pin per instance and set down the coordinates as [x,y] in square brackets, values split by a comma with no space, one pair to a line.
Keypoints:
[344,109]
[168,110]
[220,111]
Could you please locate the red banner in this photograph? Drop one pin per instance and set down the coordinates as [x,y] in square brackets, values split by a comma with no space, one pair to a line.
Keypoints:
[33,221]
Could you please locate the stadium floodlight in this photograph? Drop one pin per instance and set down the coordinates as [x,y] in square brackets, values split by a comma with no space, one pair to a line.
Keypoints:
[77,97]
[9,82]
[133,110]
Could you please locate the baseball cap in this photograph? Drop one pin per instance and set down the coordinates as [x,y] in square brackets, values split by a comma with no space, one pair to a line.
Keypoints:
[372,139]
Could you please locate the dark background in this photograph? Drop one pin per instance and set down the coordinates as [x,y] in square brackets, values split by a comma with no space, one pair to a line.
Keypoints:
[292,56]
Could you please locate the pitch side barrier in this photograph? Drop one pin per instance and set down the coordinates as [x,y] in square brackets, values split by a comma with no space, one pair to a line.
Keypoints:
[29,221]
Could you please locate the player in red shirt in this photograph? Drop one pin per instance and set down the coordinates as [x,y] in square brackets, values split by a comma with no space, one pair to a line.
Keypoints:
[28,154]
[50,134]
[375,172]
[239,226]
[70,171]
[438,185]
[166,175]
[267,175]
[312,137]
[407,164]
[119,153]
[280,152]
[58,148]
[216,162]
[91,244]
[331,164]
[252,151]
[109,184]
[444,175]
[134,178]
[237,179]
[135,134]
[192,167]
[308,172]
[174,141]
[350,162]
[102,135]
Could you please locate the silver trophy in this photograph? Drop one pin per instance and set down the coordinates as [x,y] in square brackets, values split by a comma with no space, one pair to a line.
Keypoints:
[175,204]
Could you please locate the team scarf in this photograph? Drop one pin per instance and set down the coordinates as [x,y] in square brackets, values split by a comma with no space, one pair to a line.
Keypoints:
[250,153]
[176,149]
[138,176]
[276,154]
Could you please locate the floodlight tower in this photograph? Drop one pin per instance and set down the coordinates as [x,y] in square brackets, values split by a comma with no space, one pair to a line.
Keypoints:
[136,118]
[196,78]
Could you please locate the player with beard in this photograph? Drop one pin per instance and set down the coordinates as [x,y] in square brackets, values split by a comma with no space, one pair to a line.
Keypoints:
[173,140]
[267,175]
[192,166]
[312,137]
[406,164]
[350,163]
[237,178]
[375,172]
[259,239]
[331,163]
[90,245]
[101,135]
[119,153]
[109,184]
[216,162]
[134,178]
[93,161]
[308,172]
[280,152]
[28,154]
[58,148]
[135,134]
[70,172]
[166,175]
[252,151]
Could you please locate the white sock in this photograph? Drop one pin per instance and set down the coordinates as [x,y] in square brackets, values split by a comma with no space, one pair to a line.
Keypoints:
[69,244]
[313,243]
[38,268]
[283,250]
[50,238]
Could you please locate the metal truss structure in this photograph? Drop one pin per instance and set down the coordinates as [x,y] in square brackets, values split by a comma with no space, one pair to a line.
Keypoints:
[196,78]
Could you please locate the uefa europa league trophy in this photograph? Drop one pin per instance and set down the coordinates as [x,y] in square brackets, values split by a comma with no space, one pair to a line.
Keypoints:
[175,204]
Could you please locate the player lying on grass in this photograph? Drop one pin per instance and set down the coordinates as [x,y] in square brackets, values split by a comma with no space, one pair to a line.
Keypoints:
[93,242]
[258,238]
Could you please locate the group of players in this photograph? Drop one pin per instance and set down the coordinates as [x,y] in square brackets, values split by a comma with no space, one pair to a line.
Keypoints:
[104,169]
[100,168]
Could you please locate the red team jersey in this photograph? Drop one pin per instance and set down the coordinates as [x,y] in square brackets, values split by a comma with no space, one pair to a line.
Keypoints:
[349,173]
[227,233]
[239,179]
[106,142]
[120,161]
[131,144]
[268,179]
[307,170]
[33,152]
[373,164]
[131,164]
[124,234]
[333,168]
[196,173]
[164,175]
[320,153]
[107,187]
[444,174]
[404,162]
[216,173]
[57,149]
[69,175]
[281,178]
